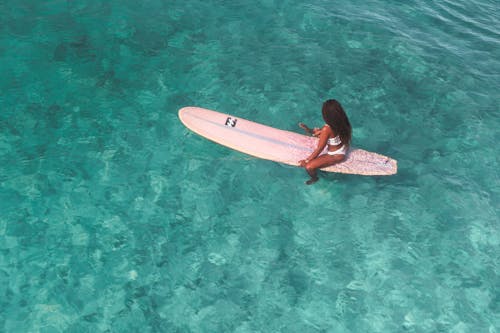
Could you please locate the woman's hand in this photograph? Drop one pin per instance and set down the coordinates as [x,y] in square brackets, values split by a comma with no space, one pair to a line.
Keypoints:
[303,163]
[314,131]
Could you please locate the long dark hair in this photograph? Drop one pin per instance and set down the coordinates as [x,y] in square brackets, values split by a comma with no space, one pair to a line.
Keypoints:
[335,117]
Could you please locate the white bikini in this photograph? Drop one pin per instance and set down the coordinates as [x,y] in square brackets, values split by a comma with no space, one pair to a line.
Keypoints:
[335,142]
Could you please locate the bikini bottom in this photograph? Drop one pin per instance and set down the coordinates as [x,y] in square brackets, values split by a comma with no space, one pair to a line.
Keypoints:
[341,151]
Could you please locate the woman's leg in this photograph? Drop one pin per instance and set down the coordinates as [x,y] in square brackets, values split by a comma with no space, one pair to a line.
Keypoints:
[319,162]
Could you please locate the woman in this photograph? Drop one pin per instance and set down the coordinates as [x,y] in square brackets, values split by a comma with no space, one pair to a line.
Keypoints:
[336,133]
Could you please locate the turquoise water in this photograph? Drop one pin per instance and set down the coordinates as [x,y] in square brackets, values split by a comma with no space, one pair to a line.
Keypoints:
[116,218]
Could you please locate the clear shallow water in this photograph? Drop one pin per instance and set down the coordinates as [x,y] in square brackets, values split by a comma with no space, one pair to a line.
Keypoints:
[114,217]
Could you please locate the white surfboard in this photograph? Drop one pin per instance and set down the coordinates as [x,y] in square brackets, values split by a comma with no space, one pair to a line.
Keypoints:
[277,145]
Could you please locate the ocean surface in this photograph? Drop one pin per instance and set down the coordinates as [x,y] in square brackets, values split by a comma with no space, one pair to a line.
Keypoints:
[116,218]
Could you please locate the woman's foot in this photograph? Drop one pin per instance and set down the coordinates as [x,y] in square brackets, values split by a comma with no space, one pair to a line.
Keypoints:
[312,180]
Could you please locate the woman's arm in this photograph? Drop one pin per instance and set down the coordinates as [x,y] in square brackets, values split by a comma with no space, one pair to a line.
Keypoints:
[323,138]
[313,131]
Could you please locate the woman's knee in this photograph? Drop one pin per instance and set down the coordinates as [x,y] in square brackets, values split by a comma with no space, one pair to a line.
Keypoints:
[310,167]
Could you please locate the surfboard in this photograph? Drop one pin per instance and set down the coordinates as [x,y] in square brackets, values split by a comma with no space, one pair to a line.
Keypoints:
[277,145]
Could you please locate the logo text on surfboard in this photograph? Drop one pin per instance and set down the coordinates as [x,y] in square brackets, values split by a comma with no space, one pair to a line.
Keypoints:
[231,122]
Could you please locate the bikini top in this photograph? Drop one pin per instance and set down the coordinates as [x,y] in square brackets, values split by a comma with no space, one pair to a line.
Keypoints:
[334,141]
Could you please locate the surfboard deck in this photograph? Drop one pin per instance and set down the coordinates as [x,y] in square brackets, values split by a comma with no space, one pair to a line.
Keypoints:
[277,145]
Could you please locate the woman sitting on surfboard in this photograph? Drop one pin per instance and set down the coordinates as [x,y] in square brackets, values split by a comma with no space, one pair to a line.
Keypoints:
[336,133]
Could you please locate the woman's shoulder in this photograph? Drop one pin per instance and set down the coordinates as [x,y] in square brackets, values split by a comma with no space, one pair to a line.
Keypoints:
[327,128]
